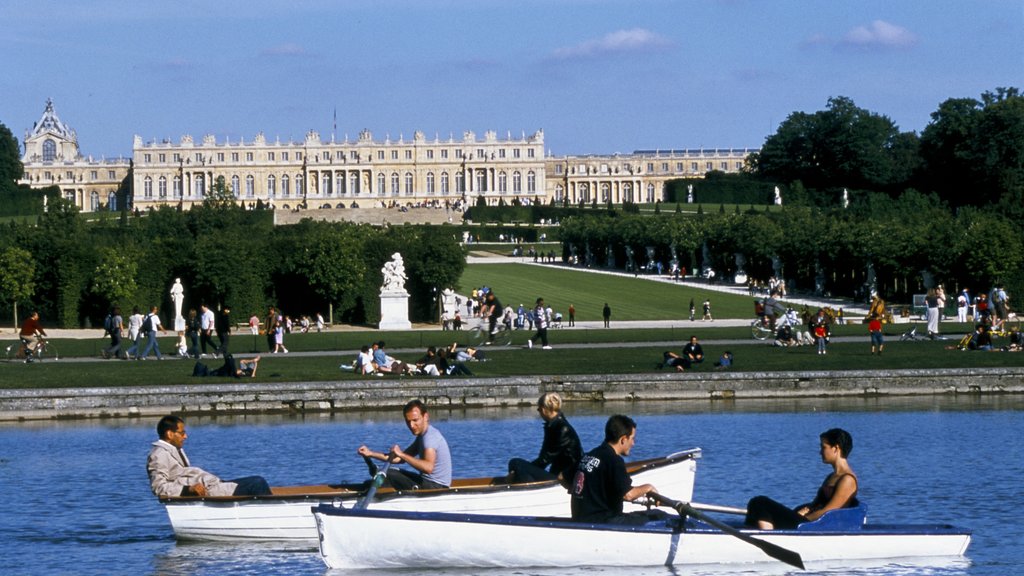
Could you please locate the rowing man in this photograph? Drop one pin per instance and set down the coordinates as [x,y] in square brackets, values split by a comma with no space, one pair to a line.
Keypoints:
[601,484]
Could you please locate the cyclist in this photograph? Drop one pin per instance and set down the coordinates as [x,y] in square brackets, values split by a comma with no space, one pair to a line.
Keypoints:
[30,329]
[493,311]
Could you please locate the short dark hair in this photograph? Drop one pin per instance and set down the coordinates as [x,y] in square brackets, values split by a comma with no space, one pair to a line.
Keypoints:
[618,426]
[839,437]
[167,424]
[415,403]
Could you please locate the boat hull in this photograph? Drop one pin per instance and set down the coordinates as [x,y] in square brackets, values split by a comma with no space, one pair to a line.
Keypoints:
[355,538]
[288,517]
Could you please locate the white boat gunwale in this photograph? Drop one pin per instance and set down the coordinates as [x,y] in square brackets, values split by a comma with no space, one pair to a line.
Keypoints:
[485,484]
[673,524]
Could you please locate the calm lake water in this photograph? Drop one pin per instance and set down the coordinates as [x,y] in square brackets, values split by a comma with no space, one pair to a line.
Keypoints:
[77,500]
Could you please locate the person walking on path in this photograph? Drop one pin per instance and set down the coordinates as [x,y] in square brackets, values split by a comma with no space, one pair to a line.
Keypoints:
[875,329]
[114,325]
[606,313]
[540,321]
[707,311]
[693,310]
[150,325]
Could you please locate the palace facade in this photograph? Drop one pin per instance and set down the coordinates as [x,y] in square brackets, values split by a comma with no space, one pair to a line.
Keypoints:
[317,173]
[52,158]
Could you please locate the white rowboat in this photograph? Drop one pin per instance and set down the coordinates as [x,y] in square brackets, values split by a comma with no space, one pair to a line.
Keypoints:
[285,515]
[386,538]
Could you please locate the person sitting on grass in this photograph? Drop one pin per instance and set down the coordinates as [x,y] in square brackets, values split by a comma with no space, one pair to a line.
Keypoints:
[725,362]
[230,369]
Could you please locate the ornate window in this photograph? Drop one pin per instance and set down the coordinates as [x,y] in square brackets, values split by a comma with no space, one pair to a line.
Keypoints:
[271,185]
[394,184]
[460,182]
[382,184]
[147,188]
[531,181]
[49,150]
[177,186]
[161,187]
[299,182]
[444,183]
[502,182]
[285,185]
[235,185]
[353,183]
[250,186]
[430,182]
[408,184]
[339,182]
[112,201]
[517,182]
[325,181]
[199,186]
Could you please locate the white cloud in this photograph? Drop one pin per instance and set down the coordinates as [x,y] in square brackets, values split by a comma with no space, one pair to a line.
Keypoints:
[620,41]
[879,33]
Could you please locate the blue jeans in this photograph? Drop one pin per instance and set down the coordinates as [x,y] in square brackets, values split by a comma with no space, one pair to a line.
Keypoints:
[151,344]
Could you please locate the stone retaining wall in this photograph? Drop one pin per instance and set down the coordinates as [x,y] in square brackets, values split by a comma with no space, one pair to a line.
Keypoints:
[233,398]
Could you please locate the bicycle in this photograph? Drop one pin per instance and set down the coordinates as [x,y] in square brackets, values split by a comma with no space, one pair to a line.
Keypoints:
[761,329]
[479,334]
[1006,327]
[21,352]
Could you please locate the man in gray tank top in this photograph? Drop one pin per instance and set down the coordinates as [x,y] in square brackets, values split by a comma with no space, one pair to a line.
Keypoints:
[428,454]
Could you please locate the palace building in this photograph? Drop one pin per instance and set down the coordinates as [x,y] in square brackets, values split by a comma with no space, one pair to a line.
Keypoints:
[318,174]
[51,157]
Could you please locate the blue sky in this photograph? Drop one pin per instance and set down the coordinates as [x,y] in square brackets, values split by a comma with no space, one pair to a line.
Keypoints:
[598,76]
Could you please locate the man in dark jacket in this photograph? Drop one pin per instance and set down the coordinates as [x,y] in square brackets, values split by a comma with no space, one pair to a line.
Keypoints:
[561,449]
[222,324]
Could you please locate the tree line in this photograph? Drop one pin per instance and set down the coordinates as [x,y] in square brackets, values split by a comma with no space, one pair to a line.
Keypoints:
[72,271]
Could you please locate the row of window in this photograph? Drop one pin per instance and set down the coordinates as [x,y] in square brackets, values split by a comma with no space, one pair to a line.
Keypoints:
[680,167]
[341,155]
[339,185]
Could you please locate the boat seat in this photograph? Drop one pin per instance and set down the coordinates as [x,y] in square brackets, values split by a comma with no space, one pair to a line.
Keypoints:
[840,519]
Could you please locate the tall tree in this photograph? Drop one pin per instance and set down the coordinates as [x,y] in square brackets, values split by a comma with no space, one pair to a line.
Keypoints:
[11,169]
[17,273]
[842,146]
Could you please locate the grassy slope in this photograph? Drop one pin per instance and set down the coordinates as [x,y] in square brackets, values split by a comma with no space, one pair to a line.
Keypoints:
[629,298]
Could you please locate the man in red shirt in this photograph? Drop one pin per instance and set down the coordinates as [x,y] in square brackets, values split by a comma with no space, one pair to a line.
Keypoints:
[875,329]
[29,329]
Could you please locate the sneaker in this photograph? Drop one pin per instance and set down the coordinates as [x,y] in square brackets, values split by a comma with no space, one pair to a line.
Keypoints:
[545,347]
[529,343]
[285,350]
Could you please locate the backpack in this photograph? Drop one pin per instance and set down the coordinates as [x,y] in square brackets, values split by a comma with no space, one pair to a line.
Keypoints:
[108,324]
[147,324]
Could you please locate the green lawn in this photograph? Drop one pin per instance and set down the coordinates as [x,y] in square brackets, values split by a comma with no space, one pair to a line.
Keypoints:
[629,298]
[516,362]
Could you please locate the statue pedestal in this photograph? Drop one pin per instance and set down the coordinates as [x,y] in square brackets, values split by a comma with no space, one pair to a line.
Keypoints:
[394,311]
[179,324]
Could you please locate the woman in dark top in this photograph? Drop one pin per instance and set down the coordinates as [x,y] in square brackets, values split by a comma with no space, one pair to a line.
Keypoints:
[561,449]
[839,490]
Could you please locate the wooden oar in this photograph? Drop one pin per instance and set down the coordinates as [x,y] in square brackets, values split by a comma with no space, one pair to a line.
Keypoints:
[773,550]
[719,508]
[378,481]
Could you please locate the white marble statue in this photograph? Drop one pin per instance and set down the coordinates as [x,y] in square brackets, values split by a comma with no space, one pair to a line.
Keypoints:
[778,197]
[178,296]
[689,194]
[394,274]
